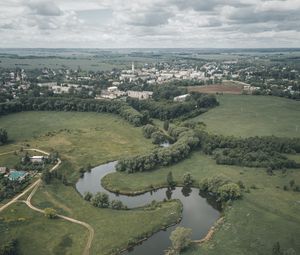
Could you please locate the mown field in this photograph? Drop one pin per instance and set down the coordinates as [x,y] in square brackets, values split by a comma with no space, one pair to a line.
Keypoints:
[254,115]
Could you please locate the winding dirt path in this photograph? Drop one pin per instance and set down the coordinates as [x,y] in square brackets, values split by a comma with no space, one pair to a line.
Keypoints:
[34,187]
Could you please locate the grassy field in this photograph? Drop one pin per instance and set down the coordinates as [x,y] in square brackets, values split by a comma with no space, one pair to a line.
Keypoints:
[80,138]
[38,235]
[246,116]
[113,228]
[252,225]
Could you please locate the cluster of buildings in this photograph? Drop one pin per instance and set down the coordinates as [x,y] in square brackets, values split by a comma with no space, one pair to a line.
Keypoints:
[63,88]
[15,175]
[154,76]
[114,92]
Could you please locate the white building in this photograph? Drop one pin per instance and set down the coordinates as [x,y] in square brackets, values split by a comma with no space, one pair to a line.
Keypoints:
[141,95]
[37,159]
[181,98]
[47,84]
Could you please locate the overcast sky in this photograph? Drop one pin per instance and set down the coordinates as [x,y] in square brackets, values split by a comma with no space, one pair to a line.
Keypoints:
[149,23]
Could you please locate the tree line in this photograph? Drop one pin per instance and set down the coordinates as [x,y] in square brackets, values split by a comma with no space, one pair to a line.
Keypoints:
[265,152]
[165,110]
[75,104]
[187,140]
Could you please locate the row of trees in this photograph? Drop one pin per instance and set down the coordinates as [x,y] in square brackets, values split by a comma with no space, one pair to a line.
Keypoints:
[186,141]
[75,104]
[101,200]
[157,136]
[251,152]
[166,110]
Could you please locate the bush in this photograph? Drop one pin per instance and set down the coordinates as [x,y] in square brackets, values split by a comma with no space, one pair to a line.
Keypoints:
[3,136]
[230,191]
[100,200]
[170,180]
[88,196]
[187,179]
[9,248]
[180,238]
[148,130]
[50,213]
[117,205]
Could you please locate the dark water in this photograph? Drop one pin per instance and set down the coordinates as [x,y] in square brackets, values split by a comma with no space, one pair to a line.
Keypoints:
[198,214]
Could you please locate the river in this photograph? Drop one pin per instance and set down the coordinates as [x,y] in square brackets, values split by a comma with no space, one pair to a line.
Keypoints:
[198,214]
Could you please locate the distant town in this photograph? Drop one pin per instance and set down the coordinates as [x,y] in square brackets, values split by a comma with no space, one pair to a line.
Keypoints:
[139,81]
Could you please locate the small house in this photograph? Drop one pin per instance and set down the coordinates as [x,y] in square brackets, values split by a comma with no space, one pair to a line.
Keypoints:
[3,170]
[181,98]
[37,159]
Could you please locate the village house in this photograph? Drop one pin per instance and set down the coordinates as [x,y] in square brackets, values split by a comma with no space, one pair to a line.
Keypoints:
[141,95]
[3,170]
[181,98]
[37,159]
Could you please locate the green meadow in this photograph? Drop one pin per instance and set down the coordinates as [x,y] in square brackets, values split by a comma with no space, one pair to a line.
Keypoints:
[241,115]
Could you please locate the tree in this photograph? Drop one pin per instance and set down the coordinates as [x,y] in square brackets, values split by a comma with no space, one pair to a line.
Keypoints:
[187,179]
[166,125]
[3,136]
[100,200]
[292,183]
[158,137]
[9,248]
[230,191]
[276,250]
[50,213]
[170,179]
[117,205]
[46,176]
[88,196]
[180,238]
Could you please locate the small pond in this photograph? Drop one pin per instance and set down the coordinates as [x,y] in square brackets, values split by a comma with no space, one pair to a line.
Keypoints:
[198,214]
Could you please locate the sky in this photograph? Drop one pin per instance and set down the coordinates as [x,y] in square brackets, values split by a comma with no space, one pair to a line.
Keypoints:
[149,23]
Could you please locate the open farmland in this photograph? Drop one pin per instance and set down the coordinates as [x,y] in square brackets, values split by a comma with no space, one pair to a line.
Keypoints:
[217,88]
[248,116]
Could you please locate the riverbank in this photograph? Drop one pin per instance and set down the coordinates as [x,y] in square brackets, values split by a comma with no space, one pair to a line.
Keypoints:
[247,224]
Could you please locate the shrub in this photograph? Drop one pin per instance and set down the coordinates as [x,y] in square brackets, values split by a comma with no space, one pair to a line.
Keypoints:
[100,200]
[50,213]
[230,191]
[88,196]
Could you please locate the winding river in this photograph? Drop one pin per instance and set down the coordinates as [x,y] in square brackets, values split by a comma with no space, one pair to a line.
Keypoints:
[198,214]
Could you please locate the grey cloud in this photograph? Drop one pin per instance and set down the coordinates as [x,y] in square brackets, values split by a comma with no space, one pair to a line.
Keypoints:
[151,18]
[206,5]
[44,8]
[212,22]
[250,15]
